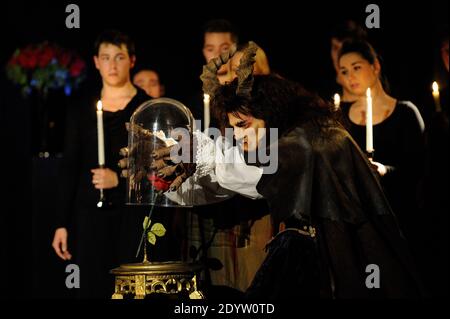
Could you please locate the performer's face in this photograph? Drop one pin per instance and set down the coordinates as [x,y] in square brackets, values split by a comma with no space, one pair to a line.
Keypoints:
[216,43]
[149,82]
[114,64]
[357,74]
[247,129]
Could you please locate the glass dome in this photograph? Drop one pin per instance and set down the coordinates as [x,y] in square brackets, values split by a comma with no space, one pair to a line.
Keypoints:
[151,127]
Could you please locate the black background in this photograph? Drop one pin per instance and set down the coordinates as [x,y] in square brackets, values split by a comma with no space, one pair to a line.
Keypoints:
[168,37]
[294,34]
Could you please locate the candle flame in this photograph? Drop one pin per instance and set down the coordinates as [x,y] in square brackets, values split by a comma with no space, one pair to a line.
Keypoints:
[206,97]
[368,93]
[99,105]
[337,99]
[435,87]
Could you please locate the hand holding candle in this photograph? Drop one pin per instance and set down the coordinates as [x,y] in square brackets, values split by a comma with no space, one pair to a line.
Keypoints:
[369,123]
[206,116]
[437,100]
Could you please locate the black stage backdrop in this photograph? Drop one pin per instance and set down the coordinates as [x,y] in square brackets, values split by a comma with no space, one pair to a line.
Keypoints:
[168,38]
[294,35]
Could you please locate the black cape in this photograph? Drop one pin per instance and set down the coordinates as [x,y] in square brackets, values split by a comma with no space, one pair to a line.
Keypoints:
[324,180]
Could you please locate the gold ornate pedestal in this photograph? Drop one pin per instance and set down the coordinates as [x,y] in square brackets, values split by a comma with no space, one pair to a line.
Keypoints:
[147,278]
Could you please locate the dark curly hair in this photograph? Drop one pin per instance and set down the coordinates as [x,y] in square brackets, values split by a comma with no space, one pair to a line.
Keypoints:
[281,103]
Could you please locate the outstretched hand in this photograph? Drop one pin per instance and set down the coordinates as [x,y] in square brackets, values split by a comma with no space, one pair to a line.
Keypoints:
[123,163]
[172,164]
[145,142]
[175,163]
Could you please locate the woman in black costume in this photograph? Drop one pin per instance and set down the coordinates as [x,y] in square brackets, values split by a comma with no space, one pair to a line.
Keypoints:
[398,133]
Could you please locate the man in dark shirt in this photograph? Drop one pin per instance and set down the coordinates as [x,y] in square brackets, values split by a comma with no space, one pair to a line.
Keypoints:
[96,231]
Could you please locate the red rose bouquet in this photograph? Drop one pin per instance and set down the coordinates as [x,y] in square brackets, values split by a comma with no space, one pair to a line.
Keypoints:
[46,66]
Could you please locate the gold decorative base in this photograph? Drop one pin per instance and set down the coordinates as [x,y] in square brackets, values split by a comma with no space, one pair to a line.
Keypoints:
[142,279]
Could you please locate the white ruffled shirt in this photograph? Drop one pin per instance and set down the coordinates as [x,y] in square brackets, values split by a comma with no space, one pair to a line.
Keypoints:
[221,172]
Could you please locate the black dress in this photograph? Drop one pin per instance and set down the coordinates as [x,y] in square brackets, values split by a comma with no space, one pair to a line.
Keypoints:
[95,240]
[399,143]
[324,180]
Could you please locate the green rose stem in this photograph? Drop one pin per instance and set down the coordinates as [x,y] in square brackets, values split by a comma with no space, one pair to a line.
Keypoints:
[145,231]
[145,250]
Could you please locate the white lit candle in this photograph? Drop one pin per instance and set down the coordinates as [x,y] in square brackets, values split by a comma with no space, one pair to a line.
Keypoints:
[369,123]
[437,101]
[206,116]
[100,136]
[337,101]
